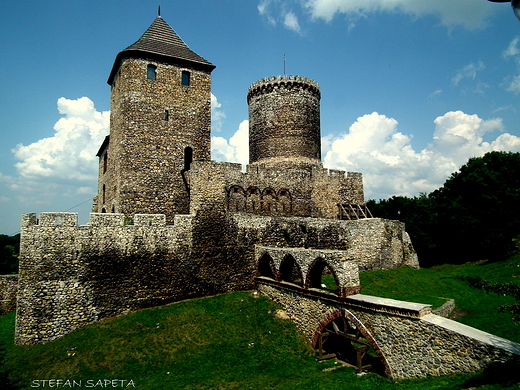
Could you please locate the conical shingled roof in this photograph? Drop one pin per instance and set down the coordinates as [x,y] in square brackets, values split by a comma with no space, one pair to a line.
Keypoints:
[162,43]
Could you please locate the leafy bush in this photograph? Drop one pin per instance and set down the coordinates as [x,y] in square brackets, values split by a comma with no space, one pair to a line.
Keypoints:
[474,215]
[9,250]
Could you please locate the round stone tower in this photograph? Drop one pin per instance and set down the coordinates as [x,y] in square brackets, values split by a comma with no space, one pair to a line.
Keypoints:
[284,122]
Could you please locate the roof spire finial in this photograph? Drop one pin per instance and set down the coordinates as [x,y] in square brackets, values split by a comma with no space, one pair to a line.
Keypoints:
[159,11]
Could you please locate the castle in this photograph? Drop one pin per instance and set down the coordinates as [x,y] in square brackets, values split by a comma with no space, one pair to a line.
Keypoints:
[170,224]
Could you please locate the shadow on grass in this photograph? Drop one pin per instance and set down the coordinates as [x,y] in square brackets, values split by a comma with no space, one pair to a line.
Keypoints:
[502,374]
[5,383]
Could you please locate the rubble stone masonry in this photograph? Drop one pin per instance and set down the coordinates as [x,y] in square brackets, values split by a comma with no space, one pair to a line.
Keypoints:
[8,290]
[409,341]
[284,120]
[169,224]
[157,127]
[73,275]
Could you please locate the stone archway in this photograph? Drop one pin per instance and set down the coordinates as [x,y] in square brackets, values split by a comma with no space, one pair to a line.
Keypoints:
[265,267]
[342,336]
[290,271]
[316,271]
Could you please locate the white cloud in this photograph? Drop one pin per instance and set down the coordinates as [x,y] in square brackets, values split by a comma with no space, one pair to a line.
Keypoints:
[513,82]
[468,72]
[277,10]
[263,9]
[291,22]
[236,150]
[470,14]
[437,92]
[390,165]
[217,116]
[5,179]
[512,50]
[70,154]
[85,191]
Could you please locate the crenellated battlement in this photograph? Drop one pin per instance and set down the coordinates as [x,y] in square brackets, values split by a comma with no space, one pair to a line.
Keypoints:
[62,219]
[50,219]
[288,82]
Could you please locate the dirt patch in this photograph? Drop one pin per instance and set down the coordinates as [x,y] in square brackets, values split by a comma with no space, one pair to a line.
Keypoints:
[458,313]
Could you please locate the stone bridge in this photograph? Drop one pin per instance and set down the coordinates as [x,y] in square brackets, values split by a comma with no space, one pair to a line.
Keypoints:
[399,339]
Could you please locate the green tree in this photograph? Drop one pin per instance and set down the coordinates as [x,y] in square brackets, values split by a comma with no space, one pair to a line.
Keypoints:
[474,215]
[478,209]
[9,250]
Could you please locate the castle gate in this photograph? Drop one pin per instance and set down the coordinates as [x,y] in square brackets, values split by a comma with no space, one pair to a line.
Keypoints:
[401,339]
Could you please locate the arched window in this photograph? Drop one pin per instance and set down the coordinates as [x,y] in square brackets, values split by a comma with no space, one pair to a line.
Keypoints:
[151,72]
[185,78]
[285,200]
[236,199]
[322,276]
[268,200]
[266,266]
[290,271]
[253,198]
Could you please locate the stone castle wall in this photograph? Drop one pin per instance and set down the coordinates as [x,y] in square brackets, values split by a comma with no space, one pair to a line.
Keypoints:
[8,291]
[72,275]
[274,191]
[372,244]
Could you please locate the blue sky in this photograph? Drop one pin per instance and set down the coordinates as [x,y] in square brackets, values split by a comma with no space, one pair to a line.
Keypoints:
[410,89]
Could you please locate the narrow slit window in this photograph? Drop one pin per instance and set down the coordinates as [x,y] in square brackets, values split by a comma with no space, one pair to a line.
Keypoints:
[188,158]
[166,115]
[151,72]
[105,162]
[185,78]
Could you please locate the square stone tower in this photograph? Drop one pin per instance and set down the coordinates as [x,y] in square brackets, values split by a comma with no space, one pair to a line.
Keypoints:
[159,123]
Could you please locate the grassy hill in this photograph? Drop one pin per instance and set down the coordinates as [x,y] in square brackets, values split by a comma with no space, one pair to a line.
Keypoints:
[234,341]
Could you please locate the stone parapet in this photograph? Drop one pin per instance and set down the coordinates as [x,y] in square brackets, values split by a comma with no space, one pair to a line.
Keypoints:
[307,191]
[268,84]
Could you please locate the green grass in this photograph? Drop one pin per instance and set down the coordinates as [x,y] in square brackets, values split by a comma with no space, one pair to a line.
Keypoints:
[433,285]
[233,341]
